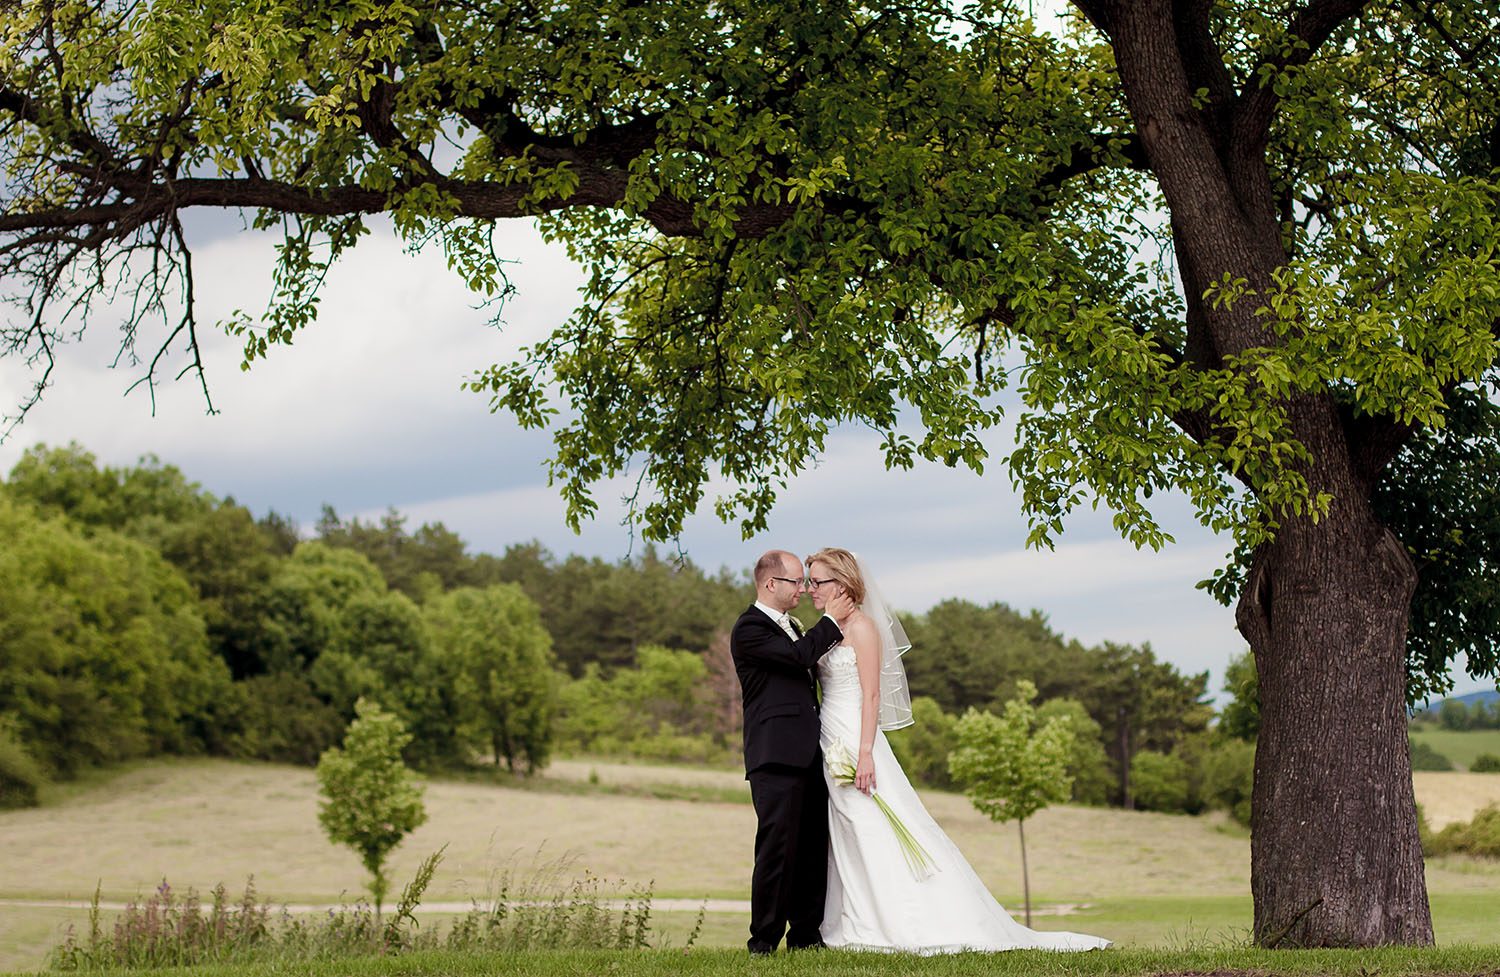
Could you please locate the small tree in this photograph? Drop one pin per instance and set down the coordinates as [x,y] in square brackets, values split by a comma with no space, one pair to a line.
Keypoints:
[501,659]
[370,800]
[1010,767]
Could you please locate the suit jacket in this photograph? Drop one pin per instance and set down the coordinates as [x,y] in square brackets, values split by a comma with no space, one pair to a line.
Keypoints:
[776,684]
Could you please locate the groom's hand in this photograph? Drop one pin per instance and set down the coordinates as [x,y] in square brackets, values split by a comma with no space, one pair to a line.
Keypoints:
[839,607]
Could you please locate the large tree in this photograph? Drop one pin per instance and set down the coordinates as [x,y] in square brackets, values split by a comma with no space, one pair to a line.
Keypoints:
[1242,250]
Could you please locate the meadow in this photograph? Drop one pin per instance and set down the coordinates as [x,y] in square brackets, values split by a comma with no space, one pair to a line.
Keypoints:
[1142,879]
[1460,746]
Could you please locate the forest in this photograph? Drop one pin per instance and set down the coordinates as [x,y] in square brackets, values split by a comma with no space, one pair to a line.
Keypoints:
[141,615]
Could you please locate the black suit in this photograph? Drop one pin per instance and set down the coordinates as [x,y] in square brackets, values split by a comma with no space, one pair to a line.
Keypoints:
[785,770]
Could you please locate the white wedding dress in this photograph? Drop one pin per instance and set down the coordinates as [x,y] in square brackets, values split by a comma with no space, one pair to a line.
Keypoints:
[875,902]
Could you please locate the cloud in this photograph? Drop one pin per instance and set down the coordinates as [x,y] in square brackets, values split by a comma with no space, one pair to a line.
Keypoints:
[364,411]
[929,534]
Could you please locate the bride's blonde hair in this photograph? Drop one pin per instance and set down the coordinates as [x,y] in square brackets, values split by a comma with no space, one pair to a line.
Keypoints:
[844,568]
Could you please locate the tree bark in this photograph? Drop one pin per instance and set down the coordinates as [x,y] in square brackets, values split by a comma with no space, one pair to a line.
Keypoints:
[1127,797]
[1335,856]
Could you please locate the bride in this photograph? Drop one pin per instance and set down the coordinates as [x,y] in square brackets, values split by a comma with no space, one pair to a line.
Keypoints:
[878,898]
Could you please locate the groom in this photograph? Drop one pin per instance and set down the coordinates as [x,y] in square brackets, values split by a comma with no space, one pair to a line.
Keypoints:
[774,661]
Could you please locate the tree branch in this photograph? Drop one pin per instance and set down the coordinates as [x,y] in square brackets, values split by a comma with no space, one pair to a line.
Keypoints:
[1309,29]
[1094,155]
[1100,13]
[1201,57]
[141,201]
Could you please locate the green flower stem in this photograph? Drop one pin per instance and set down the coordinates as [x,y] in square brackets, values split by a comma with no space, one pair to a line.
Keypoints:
[841,769]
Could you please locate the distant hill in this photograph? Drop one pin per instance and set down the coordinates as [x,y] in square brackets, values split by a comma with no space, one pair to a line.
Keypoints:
[1488,696]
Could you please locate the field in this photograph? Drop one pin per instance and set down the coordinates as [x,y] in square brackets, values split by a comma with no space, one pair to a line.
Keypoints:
[1141,879]
[1459,746]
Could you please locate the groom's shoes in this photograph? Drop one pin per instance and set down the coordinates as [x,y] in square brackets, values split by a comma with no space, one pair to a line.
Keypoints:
[819,945]
[761,950]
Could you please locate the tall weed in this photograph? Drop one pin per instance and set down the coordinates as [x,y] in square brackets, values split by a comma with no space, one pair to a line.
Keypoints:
[538,908]
[542,908]
[168,931]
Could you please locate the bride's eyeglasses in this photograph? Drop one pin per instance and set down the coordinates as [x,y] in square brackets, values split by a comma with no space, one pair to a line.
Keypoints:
[813,583]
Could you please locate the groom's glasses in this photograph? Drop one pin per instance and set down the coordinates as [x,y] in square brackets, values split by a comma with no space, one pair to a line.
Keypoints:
[812,583]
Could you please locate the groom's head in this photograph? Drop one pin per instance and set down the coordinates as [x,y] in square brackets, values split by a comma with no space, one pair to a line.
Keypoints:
[778,580]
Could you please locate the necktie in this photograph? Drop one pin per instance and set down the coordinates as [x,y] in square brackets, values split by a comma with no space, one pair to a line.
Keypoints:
[786,625]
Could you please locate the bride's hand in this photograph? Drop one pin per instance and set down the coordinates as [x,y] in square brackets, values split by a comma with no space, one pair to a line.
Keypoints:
[864,773]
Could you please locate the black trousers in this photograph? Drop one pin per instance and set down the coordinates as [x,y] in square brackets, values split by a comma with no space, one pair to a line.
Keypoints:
[791,856]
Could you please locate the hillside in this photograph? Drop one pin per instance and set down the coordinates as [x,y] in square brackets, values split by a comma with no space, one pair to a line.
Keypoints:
[1460,746]
[1134,876]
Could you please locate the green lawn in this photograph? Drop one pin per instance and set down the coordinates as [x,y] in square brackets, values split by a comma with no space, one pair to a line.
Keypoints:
[1165,922]
[1459,746]
[1220,962]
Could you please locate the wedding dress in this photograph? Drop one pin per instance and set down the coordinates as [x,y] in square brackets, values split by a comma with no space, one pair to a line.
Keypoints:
[875,901]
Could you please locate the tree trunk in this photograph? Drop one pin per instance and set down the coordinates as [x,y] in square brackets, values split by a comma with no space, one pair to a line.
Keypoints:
[1335,857]
[1025,875]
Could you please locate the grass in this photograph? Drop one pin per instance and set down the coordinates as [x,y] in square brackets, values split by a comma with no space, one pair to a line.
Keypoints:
[1220,962]
[170,819]
[28,934]
[1460,746]
[621,779]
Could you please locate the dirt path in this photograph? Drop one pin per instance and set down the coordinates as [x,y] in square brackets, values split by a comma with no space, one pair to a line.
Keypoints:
[457,908]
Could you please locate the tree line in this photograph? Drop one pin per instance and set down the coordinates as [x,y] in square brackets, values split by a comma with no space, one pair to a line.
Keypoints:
[1458,716]
[141,615]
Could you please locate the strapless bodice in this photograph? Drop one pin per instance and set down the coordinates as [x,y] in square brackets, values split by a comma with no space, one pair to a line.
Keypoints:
[838,675]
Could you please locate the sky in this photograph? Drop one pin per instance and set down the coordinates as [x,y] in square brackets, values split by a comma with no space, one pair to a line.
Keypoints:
[365,412]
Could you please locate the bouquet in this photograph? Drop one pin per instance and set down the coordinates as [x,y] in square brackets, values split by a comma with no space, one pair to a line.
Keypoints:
[841,768]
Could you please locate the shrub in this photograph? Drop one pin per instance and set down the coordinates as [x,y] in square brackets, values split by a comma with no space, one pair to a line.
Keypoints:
[1424,757]
[1479,837]
[278,717]
[1485,763]
[1229,778]
[1455,715]
[1193,750]
[668,745]
[1158,781]
[923,747]
[21,777]
[104,652]
[664,708]
[1087,763]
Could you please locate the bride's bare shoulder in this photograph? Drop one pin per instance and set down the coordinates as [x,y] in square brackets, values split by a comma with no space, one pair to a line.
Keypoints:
[859,629]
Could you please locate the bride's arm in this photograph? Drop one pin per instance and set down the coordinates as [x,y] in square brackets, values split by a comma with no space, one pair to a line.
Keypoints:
[866,644]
